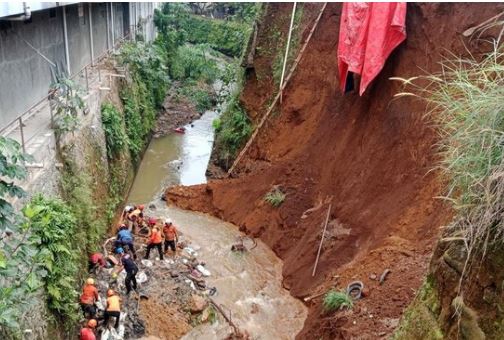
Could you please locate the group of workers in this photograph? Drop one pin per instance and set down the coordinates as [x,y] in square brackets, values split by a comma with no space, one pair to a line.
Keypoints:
[132,220]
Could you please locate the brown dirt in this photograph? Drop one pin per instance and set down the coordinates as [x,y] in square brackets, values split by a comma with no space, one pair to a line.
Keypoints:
[176,111]
[371,155]
[164,320]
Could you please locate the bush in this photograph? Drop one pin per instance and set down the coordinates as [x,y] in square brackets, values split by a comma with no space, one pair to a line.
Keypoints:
[275,197]
[334,300]
[192,63]
[233,130]
[465,104]
[113,126]
[198,94]
[55,224]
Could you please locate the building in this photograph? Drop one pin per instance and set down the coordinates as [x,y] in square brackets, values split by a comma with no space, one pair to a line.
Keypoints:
[37,37]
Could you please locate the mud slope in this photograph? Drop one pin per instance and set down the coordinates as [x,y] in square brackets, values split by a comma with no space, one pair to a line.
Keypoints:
[370,154]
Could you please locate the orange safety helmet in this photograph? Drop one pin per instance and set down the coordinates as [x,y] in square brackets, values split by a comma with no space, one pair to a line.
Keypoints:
[110,292]
[90,281]
[92,323]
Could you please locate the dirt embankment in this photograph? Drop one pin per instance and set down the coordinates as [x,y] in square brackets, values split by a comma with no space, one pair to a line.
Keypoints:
[369,156]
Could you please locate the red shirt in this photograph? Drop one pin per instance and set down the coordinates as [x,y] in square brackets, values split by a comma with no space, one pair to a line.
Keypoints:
[89,295]
[156,237]
[87,334]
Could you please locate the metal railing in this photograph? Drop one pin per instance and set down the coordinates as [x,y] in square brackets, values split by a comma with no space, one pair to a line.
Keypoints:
[83,73]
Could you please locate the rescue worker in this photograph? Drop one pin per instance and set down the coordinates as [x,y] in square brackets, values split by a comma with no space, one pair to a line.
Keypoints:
[127,210]
[125,238]
[113,308]
[88,298]
[131,269]
[96,260]
[135,217]
[171,236]
[156,240]
[87,333]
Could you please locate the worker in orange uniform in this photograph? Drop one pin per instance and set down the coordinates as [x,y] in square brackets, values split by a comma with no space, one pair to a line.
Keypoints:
[88,298]
[156,240]
[113,308]
[87,333]
[171,236]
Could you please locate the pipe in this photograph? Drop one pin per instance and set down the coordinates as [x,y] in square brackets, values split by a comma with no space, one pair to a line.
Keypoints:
[91,43]
[108,27]
[65,35]
[287,50]
[113,26]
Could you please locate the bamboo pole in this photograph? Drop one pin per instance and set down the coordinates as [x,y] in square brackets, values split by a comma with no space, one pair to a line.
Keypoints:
[287,49]
[322,239]
[272,106]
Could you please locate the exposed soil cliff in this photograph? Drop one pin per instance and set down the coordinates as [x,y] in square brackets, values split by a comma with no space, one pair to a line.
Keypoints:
[370,156]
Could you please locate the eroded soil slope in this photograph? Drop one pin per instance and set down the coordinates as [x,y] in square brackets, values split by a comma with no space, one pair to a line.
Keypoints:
[370,157]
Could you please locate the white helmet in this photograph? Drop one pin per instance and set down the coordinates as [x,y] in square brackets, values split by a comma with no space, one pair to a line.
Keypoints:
[168,221]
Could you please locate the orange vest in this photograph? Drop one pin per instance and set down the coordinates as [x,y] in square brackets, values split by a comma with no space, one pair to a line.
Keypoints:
[89,295]
[156,237]
[170,232]
[113,304]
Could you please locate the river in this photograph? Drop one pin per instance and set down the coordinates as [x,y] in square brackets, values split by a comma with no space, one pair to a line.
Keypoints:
[249,285]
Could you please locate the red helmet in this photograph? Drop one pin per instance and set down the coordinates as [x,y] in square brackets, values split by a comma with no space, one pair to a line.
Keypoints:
[141,207]
[152,221]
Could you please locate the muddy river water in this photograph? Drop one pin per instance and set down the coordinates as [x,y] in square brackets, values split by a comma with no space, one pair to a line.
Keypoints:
[248,285]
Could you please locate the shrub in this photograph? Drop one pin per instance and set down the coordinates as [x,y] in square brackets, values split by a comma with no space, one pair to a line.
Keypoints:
[465,104]
[275,197]
[113,126]
[191,62]
[334,300]
[55,224]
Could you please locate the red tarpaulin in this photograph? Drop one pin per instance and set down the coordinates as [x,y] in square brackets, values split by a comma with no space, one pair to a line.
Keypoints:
[369,32]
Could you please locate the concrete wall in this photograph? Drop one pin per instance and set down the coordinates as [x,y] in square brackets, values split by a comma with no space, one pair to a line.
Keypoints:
[25,76]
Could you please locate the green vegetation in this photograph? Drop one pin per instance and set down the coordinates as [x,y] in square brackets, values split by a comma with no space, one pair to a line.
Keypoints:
[191,62]
[56,226]
[334,300]
[113,126]
[20,271]
[275,197]
[281,44]
[65,101]
[465,104]
[144,93]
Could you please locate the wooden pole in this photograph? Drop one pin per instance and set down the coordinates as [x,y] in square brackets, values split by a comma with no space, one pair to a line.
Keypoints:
[272,106]
[322,240]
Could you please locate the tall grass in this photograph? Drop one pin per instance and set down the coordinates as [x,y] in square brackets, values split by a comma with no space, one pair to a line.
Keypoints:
[465,103]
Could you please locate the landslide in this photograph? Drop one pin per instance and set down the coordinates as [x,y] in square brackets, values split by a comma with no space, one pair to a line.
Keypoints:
[371,157]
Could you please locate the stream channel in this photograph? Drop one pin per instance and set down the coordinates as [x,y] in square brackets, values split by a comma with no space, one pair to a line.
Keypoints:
[249,285]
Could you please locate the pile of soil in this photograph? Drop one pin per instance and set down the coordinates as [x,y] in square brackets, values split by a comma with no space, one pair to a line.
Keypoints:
[175,112]
[371,157]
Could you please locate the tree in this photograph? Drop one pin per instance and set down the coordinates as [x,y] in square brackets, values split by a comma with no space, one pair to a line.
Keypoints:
[19,268]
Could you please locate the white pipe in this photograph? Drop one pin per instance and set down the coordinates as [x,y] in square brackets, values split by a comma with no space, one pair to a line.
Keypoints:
[113,26]
[108,27]
[65,35]
[287,49]
[91,42]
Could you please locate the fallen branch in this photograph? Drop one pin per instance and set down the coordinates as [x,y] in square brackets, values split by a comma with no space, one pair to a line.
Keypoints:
[236,330]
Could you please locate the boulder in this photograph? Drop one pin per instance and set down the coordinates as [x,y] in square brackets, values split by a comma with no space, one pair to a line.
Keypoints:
[198,303]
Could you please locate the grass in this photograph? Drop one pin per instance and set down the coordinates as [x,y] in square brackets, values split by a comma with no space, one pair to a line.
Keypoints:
[466,107]
[275,197]
[334,300]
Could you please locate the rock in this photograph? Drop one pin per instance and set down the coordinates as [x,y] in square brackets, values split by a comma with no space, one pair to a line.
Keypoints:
[205,315]
[147,263]
[372,277]
[255,308]
[198,303]
[174,273]
[152,207]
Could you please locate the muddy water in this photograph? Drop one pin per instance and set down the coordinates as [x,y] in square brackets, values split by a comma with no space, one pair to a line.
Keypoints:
[248,285]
